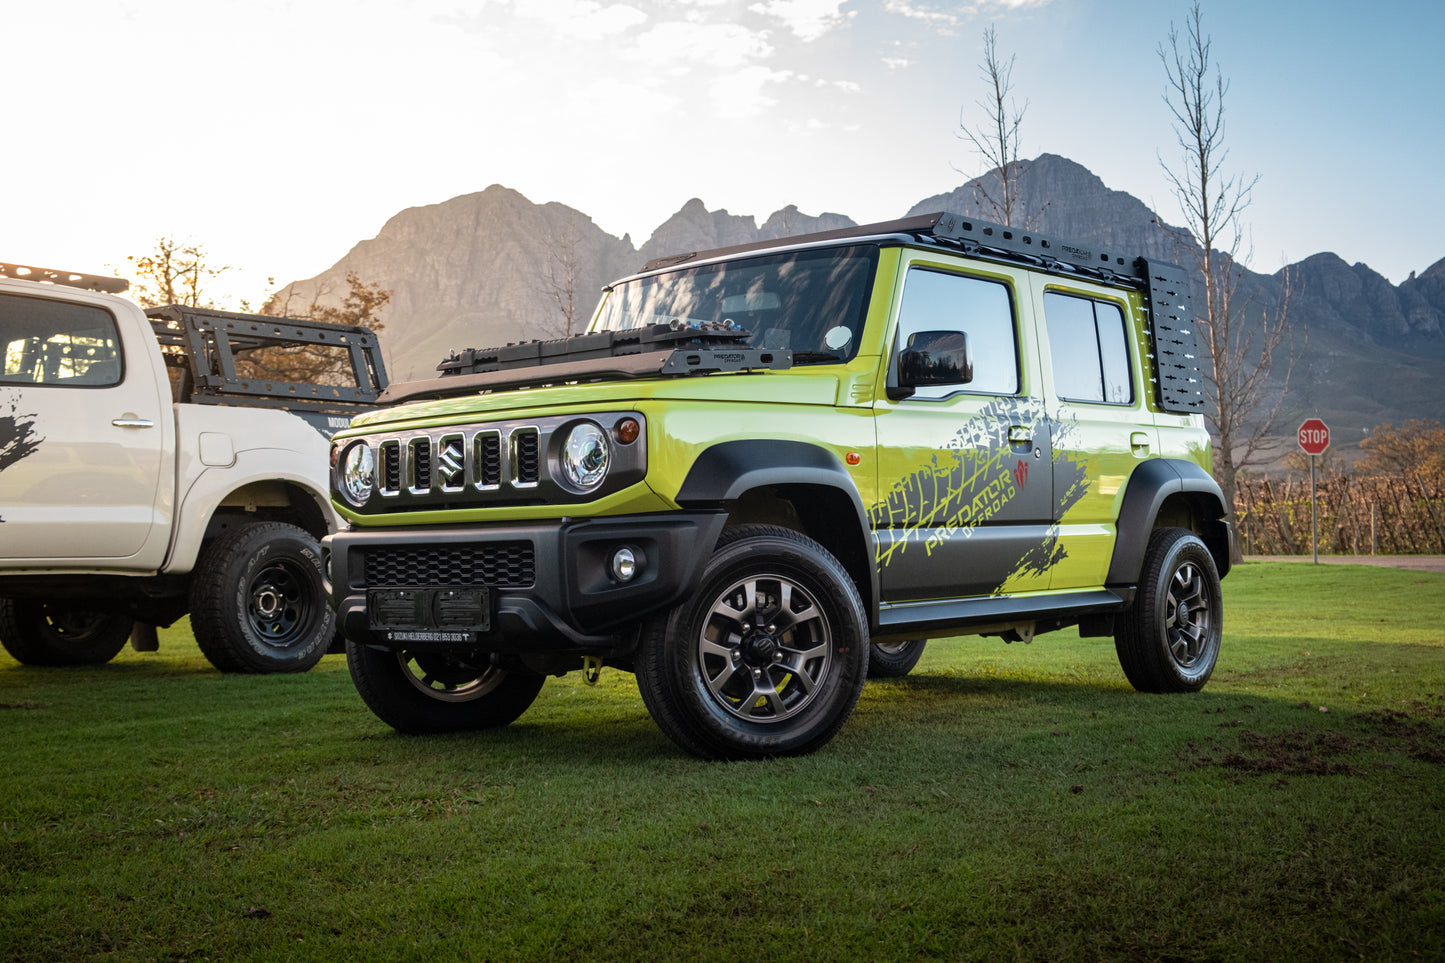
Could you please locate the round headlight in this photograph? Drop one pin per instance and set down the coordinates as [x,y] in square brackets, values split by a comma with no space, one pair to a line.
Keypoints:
[358,474]
[584,457]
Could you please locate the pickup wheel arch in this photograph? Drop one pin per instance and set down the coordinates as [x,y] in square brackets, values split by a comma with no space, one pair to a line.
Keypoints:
[809,477]
[1182,493]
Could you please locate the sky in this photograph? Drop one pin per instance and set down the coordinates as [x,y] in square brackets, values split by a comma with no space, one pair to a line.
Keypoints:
[276,134]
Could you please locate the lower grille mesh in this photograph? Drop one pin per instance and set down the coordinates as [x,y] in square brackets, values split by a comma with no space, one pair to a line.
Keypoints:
[500,564]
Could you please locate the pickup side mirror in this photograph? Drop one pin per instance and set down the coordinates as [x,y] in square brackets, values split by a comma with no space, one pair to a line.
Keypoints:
[932,358]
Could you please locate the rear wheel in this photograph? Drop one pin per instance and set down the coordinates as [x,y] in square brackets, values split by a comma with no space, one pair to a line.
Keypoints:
[257,603]
[768,656]
[428,692]
[37,632]
[1168,640]
[892,660]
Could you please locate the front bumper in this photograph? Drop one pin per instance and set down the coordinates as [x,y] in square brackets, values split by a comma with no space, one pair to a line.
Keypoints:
[513,588]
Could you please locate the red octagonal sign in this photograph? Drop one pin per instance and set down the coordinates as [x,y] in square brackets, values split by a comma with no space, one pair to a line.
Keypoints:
[1314,436]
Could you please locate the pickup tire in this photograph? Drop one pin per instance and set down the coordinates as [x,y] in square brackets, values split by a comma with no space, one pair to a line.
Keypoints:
[893,660]
[37,632]
[257,603]
[421,693]
[766,658]
[1168,640]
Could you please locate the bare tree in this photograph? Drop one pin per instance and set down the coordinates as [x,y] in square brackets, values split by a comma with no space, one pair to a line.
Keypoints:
[174,272]
[997,141]
[318,363]
[563,268]
[1243,345]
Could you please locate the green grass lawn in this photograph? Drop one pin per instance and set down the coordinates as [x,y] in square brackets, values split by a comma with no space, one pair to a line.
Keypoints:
[1002,802]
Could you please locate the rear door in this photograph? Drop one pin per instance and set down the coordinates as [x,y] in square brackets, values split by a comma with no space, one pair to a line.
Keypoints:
[1102,429]
[82,435]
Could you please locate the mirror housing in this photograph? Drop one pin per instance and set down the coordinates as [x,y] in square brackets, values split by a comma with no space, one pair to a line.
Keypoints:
[932,358]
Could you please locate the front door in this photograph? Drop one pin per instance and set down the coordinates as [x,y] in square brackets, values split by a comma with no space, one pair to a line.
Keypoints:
[965,470]
[81,434]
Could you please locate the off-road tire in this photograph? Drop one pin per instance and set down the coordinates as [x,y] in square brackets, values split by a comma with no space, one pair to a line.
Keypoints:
[257,604]
[420,693]
[1168,640]
[766,658]
[893,660]
[37,632]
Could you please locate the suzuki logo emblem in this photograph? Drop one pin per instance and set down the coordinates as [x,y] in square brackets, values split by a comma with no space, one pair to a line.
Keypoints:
[451,461]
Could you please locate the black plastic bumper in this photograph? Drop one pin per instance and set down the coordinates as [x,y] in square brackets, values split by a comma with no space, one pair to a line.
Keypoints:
[513,588]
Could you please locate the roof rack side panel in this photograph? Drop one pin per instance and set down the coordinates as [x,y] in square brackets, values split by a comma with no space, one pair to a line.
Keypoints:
[1173,332]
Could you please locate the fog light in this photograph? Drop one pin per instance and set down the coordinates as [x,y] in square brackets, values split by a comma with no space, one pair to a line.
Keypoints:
[626,564]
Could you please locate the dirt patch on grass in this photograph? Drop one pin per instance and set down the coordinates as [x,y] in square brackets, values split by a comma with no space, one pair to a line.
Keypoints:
[1375,738]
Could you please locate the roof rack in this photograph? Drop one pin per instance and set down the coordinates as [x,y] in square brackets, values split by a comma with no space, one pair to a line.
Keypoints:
[71,279]
[1180,384]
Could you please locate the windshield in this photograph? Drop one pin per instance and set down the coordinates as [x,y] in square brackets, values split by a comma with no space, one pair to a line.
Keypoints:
[810,302]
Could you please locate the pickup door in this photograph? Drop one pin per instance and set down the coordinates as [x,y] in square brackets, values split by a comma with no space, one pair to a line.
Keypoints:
[82,434]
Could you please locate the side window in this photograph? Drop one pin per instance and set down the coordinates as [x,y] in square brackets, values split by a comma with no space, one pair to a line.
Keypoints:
[982,310]
[56,342]
[1089,349]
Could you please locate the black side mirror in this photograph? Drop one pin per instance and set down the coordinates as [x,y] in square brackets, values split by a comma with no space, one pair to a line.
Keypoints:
[932,358]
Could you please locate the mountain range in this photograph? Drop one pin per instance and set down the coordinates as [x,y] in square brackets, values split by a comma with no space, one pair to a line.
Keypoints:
[492,267]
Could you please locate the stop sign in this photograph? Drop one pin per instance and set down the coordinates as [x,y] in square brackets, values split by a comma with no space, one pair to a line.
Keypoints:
[1314,436]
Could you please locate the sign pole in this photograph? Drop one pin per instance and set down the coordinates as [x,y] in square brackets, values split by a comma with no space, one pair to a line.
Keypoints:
[1314,437]
[1314,512]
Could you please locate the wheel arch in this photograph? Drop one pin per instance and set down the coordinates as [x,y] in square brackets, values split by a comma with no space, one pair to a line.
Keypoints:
[257,489]
[1172,493]
[797,484]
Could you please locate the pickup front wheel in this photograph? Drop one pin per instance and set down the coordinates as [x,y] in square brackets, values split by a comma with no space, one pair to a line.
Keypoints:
[53,633]
[256,600]
[768,656]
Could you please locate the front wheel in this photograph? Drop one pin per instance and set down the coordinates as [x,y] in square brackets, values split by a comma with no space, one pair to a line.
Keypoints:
[766,658]
[52,633]
[1168,640]
[420,693]
[257,603]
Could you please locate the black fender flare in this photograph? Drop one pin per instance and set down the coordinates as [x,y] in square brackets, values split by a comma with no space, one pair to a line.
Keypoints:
[1150,486]
[726,471]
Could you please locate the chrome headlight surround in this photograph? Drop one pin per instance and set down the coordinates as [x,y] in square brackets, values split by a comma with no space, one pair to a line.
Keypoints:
[356,474]
[584,457]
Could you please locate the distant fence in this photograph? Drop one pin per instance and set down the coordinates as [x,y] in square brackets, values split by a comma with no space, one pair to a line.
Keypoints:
[1357,516]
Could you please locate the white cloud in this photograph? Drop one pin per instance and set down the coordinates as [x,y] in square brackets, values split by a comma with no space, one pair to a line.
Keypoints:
[807,19]
[582,18]
[726,45]
[740,94]
[897,63]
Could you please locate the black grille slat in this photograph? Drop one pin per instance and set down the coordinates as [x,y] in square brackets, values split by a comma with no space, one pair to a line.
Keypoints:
[489,460]
[528,463]
[500,564]
[421,464]
[391,468]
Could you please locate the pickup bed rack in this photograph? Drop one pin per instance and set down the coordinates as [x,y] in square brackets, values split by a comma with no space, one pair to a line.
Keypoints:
[204,343]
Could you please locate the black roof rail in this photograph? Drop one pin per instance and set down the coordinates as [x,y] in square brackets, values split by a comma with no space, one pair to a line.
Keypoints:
[71,279]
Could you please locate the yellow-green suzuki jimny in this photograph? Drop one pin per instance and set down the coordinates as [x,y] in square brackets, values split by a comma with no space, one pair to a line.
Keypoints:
[767,471]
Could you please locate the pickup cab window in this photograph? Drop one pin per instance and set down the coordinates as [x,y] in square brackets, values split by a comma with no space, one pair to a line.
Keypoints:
[58,343]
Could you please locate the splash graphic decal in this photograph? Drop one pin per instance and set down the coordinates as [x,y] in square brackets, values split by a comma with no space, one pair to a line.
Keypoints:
[969,483]
[17,437]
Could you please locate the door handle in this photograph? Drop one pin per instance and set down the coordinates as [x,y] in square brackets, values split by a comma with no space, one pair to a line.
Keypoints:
[1139,442]
[131,421]
[1019,435]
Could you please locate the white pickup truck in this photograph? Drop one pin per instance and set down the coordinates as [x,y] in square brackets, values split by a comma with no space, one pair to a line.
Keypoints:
[155,463]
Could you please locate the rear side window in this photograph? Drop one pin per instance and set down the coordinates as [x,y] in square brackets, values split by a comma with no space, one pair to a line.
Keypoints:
[981,309]
[57,343]
[1089,350]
